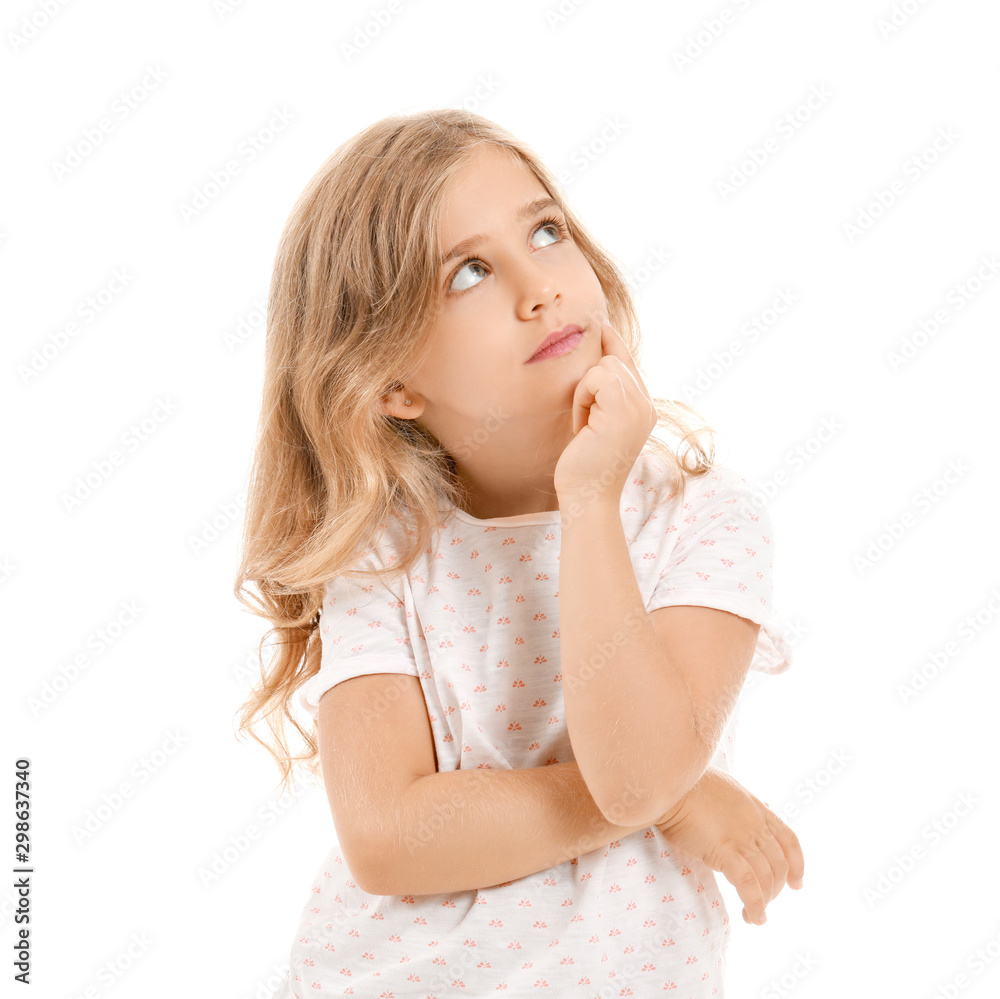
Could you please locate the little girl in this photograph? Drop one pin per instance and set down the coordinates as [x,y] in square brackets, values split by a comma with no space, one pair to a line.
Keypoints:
[518,620]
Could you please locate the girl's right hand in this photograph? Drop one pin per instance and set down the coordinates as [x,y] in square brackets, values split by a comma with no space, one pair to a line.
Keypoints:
[721,823]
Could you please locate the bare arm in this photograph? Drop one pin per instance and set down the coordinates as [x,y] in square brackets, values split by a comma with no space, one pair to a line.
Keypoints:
[464,829]
[628,706]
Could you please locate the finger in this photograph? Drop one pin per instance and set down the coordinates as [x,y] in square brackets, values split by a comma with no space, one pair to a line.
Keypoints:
[791,848]
[612,345]
[761,864]
[774,856]
[594,380]
[742,875]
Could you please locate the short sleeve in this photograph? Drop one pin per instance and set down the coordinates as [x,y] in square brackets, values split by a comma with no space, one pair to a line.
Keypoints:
[363,630]
[721,556]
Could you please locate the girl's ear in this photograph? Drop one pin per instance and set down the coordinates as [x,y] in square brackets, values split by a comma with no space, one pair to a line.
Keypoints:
[401,401]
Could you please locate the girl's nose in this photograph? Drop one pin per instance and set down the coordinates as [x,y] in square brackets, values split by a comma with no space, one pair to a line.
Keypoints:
[535,286]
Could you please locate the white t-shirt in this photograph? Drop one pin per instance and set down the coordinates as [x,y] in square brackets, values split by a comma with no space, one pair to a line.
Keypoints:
[477,622]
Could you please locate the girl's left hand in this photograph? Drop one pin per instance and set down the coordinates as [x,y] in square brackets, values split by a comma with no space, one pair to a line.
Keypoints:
[613,416]
[731,830]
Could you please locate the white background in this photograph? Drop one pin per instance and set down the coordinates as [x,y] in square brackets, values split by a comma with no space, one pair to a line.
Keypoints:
[875,580]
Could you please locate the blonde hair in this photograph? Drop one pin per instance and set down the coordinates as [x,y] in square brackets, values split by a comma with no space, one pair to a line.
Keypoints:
[352,301]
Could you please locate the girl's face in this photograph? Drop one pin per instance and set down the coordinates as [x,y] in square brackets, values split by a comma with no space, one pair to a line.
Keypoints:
[524,279]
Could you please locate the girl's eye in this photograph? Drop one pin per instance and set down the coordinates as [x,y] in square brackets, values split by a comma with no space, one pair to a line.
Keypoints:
[457,286]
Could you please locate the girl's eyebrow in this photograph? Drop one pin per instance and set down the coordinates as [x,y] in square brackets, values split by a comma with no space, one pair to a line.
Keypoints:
[525,212]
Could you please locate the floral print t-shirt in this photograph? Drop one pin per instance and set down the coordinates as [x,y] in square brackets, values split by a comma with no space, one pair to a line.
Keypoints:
[477,622]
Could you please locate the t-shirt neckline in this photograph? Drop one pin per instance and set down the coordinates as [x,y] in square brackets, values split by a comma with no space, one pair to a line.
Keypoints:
[518,520]
[549,517]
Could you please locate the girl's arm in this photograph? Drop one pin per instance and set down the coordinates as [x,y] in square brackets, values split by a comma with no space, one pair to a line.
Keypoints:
[464,829]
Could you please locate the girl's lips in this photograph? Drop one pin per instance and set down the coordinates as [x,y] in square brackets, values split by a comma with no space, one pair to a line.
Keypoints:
[563,346]
[554,338]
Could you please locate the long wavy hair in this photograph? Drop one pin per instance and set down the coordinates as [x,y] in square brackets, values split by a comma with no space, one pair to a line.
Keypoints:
[352,301]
